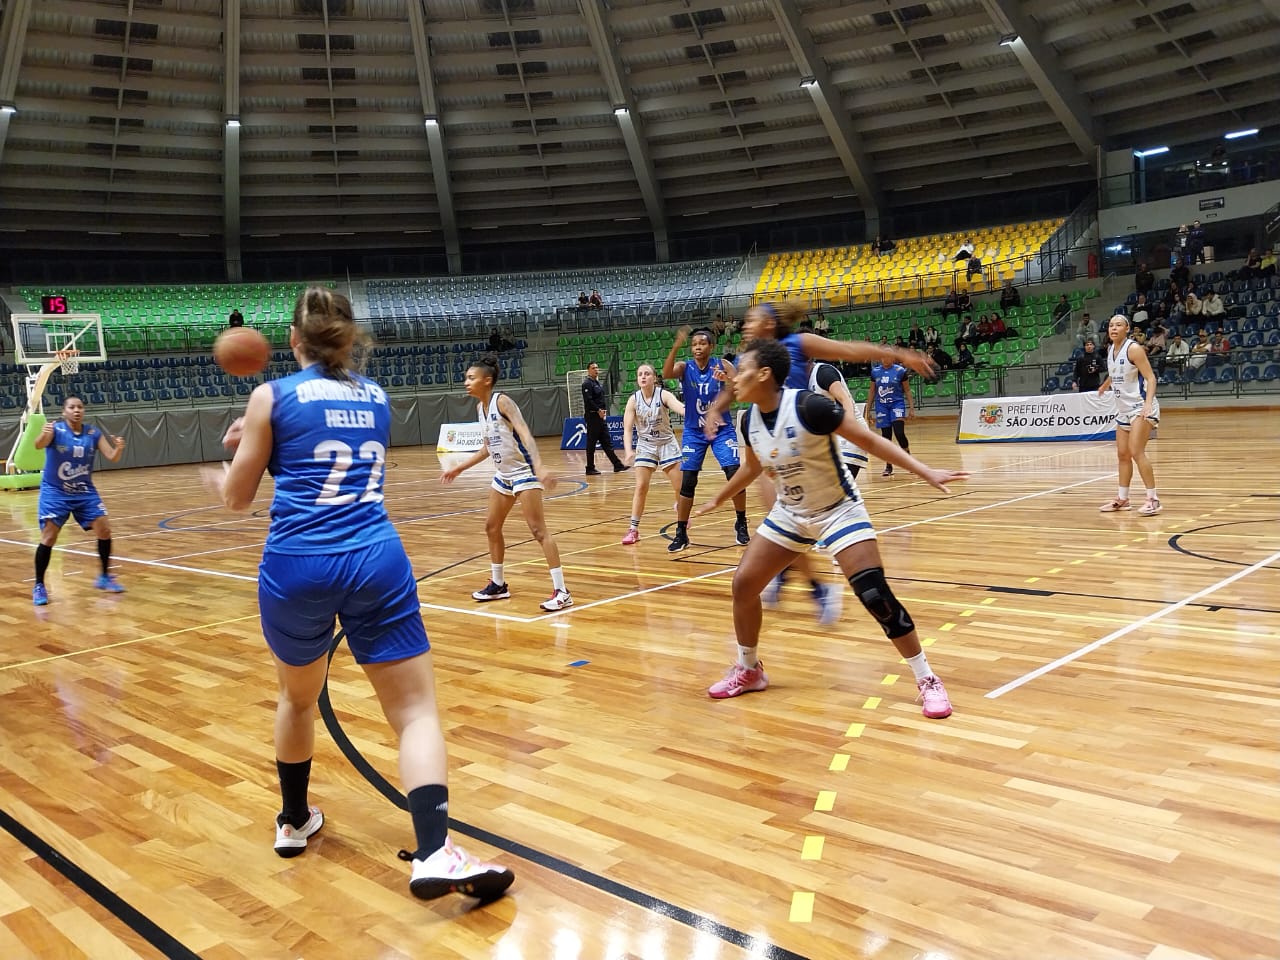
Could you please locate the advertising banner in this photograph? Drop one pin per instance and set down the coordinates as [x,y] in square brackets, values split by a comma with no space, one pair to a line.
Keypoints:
[574,434]
[460,437]
[1059,416]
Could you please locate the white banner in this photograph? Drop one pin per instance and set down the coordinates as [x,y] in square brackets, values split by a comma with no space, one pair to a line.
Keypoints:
[460,437]
[1058,416]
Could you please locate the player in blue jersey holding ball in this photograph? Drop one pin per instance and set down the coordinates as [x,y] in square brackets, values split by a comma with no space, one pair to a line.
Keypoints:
[67,490]
[332,553]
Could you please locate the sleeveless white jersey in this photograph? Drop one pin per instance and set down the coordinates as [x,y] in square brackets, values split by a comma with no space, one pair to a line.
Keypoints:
[806,467]
[510,459]
[653,424]
[1127,382]
[850,450]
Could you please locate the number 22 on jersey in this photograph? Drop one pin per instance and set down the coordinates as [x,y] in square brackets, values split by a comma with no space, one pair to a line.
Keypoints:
[342,458]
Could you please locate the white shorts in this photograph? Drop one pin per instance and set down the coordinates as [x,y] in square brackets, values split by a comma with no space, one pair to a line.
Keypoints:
[657,454]
[852,455]
[512,485]
[842,526]
[1126,413]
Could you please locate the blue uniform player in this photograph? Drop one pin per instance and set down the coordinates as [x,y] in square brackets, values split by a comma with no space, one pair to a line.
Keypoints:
[890,402]
[332,553]
[67,490]
[701,379]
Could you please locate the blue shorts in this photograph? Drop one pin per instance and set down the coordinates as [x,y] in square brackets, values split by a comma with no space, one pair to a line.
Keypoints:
[885,416]
[55,507]
[694,448]
[371,590]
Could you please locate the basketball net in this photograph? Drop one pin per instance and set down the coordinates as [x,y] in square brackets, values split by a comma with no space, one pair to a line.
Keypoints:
[68,361]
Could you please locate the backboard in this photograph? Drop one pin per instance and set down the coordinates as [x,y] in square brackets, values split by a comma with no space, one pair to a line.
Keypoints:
[38,337]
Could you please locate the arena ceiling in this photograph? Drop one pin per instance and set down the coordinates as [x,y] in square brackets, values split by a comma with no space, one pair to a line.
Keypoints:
[171,124]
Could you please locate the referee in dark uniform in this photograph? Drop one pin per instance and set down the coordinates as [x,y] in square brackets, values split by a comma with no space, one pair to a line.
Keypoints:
[595,413]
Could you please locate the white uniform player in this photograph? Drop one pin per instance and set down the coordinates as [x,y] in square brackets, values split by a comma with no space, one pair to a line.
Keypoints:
[821,378]
[1128,385]
[817,498]
[512,465]
[656,444]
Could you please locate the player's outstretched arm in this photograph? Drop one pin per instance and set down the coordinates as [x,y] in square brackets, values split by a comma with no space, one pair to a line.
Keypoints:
[44,437]
[878,446]
[860,351]
[672,402]
[749,470]
[480,456]
[253,452]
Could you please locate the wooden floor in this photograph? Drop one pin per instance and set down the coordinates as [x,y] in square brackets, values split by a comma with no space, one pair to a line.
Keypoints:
[1106,788]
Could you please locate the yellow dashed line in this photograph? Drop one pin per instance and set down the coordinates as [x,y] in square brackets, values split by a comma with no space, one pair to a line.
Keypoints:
[988,600]
[870,703]
[928,642]
[1054,570]
[1076,563]
[966,613]
[812,849]
[889,680]
[801,907]
[947,626]
[855,730]
[1031,580]
[826,801]
[839,763]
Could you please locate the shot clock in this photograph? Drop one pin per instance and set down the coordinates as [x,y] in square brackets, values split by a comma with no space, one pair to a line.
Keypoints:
[54,303]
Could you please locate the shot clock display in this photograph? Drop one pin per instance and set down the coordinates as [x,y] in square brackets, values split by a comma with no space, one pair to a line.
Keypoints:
[55,303]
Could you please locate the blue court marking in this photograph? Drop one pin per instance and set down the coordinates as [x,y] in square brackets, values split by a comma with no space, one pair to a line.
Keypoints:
[579,663]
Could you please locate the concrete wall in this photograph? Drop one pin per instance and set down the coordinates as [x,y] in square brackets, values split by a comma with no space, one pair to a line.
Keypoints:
[1239,202]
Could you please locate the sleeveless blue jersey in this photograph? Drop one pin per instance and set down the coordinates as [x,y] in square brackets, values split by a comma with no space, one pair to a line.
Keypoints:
[888,385]
[798,376]
[700,387]
[68,460]
[329,450]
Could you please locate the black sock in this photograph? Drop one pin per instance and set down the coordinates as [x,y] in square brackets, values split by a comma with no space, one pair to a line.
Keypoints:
[294,779]
[682,526]
[429,808]
[742,515]
[43,553]
[104,554]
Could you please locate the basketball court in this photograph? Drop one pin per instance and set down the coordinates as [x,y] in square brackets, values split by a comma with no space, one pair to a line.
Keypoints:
[1105,788]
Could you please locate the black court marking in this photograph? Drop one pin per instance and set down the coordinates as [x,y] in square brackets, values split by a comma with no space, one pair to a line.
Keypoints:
[1175,541]
[699,922]
[130,916]
[1023,591]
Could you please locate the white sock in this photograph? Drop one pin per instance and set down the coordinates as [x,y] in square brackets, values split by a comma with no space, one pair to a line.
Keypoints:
[1152,495]
[747,657]
[557,579]
[635,522]
[919,665]
[1123,494]
[495,573]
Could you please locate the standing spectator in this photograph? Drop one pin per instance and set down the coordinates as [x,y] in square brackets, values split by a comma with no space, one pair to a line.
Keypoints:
[1010,297]
[236,319]
[1090,367]
[1061,309]
[1144,281]
[1213,305]
[1182,246]
[1195,243]
[595,414]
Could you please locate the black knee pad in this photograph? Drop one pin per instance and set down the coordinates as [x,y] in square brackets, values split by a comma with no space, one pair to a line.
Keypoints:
[688,483]
[873,590]
[730,471]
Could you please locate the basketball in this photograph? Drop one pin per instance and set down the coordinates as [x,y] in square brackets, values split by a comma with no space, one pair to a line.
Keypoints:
[242,351]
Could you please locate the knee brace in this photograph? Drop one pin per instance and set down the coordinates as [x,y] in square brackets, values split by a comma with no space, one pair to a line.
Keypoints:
[730,471]
[873,590]
[688,483]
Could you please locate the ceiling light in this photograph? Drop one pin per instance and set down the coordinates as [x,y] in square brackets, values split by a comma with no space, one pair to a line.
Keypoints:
[808,83]
[1153,152]
[1008,39]
[1233,135]
[9,109]
[431,122]
[233,122]
[620,111]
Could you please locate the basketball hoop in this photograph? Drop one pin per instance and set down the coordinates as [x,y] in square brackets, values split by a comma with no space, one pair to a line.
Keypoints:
[68,361]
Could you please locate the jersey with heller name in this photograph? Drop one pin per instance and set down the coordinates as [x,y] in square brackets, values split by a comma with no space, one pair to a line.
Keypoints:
[68,460]
[800,454]
[511,460]
[330,441]
[653,424]
[700,388]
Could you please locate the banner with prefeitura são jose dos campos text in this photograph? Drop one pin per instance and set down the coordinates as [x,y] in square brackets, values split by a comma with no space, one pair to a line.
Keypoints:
[1059,416]
[460,437]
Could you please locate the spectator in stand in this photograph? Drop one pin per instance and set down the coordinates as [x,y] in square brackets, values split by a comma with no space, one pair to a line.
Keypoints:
[1144,281]
[966,302]
[915,337]
[1252,266]
[1140,312]
[822,326]
[965,251]
[1178,353]
[882,245]
[973,268]
[1195,243]
[584,302]
[1061,309]
[236,319]
[1181,275]
[1199,351]
[1010,297]
[1086,331]
[951,304]
[718,326]
[940,357]
[1213,305]
[1267,265]
[998,330]
[1219,346]
[495,341]
[964,356]
[1181,246]
[968,332]
[1156,345]
[932,337]
[985,330]
[596,300]
[1194,306]
[1090,369]
[1174,297]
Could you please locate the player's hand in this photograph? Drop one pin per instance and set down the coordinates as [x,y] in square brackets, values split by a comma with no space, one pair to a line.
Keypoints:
[231,439]
[911,413]
[546,478]
[604,414]
[682,335]
[719,373]
[1102,389]
[940,478]
[711,425]
[119,442]
[214,479]
[921,363]
[450,475]
[706,508]
[46,432]
[629,457]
